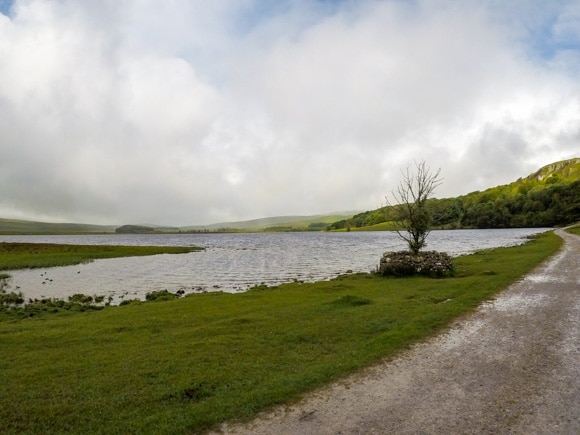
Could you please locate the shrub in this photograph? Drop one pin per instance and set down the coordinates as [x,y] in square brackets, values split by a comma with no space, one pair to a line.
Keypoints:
[162,295]
[81,299]
[129,302]
[12,298]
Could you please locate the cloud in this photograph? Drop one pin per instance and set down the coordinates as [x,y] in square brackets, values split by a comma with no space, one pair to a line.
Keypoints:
[200,112]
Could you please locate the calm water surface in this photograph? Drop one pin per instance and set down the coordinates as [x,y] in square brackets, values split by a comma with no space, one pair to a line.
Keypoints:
[233,262]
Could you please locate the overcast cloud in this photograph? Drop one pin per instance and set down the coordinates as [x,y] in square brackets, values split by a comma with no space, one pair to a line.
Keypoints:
[186,112]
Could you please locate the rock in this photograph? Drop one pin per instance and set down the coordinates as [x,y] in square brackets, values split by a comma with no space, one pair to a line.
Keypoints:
[403,263]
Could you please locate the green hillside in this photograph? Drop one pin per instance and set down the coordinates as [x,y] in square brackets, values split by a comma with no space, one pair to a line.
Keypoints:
[279,223]
[15,226]
[548,197]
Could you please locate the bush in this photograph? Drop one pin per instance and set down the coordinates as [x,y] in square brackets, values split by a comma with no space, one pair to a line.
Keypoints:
[162,295]
[130,302]
[403,263]
[81,299]
[9,299]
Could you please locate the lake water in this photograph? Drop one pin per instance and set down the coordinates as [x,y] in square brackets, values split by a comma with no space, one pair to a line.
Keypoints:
[233,262]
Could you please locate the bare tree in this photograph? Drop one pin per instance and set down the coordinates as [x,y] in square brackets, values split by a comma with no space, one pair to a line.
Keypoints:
[410,209]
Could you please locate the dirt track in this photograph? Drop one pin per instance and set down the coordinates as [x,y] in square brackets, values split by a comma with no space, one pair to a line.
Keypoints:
[511,367]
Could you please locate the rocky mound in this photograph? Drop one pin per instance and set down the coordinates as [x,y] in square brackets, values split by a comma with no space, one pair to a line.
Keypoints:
[403,263]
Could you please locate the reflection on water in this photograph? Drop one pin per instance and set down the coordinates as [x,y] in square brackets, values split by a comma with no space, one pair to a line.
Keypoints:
[233,262]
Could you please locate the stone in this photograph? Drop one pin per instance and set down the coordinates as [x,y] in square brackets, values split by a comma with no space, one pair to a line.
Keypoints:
[403,263]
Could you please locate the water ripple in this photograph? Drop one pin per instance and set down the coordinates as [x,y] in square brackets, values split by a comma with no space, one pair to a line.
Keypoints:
[233,262]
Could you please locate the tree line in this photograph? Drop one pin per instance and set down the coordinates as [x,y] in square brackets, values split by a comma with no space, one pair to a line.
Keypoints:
[525,203]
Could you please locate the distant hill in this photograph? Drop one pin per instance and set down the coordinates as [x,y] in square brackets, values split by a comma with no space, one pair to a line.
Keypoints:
[548,197]
[279,223]
[15,226]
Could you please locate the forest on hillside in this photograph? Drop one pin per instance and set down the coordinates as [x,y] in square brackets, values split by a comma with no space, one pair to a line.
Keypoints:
[546,198]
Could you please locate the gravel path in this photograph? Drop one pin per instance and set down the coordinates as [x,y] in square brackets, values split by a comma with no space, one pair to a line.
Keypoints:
[511,367]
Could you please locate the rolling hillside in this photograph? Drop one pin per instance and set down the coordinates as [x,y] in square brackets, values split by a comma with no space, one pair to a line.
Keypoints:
[15,226]
[548,197]
[279,223]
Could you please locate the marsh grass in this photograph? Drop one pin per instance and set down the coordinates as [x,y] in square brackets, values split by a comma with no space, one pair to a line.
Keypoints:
[35,255]
[184,366]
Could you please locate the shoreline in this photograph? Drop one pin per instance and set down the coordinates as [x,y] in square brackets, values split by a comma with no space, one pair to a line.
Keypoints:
[511,366]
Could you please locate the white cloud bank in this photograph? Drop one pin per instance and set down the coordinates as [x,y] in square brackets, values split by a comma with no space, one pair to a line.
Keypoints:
[191,112]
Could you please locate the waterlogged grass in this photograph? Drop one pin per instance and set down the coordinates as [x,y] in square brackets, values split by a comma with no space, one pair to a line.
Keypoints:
[33,255]
[184,366]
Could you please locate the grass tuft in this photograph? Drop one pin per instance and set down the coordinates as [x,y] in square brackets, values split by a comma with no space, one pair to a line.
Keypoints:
[196,392]
[350,301]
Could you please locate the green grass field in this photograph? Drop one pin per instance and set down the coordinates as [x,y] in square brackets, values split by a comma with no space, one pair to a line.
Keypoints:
[186,365]
[574,230]
[33,255]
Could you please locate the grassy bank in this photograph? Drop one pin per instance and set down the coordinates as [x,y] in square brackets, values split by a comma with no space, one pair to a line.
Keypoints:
[574,230]
[184,366]
[33,255]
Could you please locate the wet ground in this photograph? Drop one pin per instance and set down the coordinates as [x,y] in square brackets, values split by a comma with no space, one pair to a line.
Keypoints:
[511,367]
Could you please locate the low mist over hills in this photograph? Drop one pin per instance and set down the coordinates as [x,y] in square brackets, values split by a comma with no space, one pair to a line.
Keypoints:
[277,223]
[548,197]
[280,223]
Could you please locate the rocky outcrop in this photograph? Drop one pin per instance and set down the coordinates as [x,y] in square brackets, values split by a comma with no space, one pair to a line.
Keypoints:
[403,263]
[563,169]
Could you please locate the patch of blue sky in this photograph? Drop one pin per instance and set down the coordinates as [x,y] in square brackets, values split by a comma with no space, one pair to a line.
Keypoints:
[5,6]
[263,11]
[546,42]
[543,28]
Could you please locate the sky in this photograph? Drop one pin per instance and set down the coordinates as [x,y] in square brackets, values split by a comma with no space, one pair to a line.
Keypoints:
[189,112]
